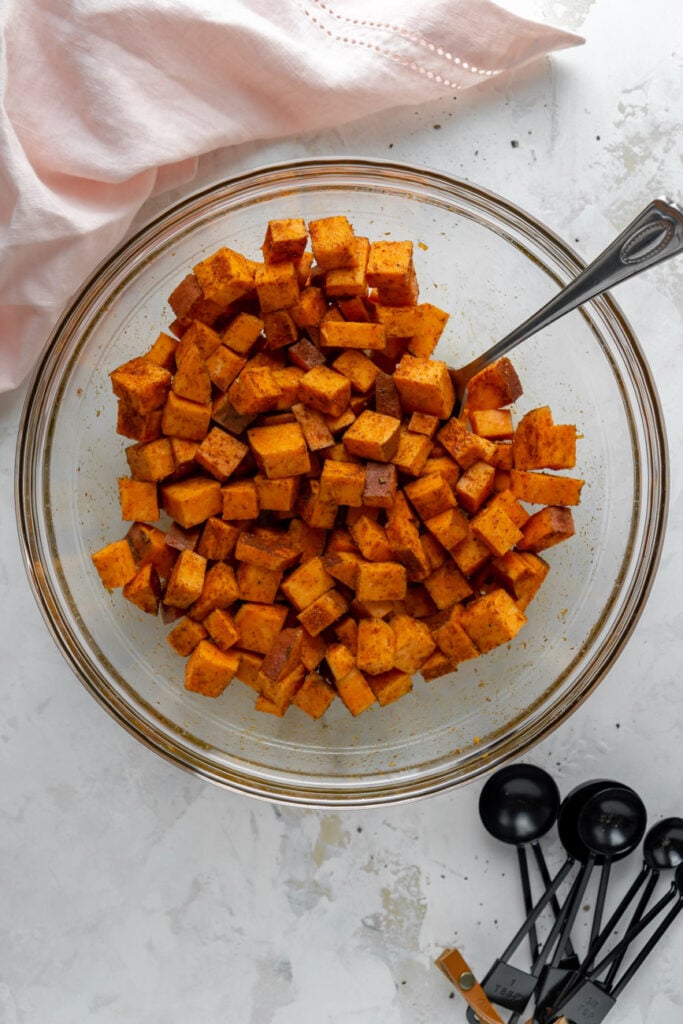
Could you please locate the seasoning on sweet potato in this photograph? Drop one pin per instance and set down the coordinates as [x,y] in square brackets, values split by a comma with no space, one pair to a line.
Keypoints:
[209,670]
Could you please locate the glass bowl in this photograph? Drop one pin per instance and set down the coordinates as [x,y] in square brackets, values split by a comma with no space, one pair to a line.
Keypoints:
[489,264]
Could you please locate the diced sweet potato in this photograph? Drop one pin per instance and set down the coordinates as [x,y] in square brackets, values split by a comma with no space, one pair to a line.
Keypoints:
[332,242]
[340,660]
[192,500]
[425,386]
[412,452]
[209,670]
[464,446]
[315,430]
[270,552]
[150,461]
[544,488]
[143,384]
[436,666]
[138,500]
[220,453]
[259,625]
[280,451]
[240,500]
[185,636]
[539,443]
[452,639]
[217,539]
[186,581]
[115,564]
[474,486]
[449,527]
[144,590]
[356,366]
[322,612]
[355,692]
[285,239]
[225,276]
[547,527]
[183,418]
[381,581]
[223,365]
[447,585]
[342,483]
[376,644]
[314,696]
[350,281]
[346,334]
[389,686]
[430,495]
[495,386]
[307,583]
[496,529]
[387,399]
[373,436]
[413,643]
[326,390]
[492,619]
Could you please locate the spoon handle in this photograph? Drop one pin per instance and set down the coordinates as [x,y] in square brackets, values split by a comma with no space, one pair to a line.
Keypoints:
[528,901]
[545,878]
[538,908]
[637,914]
[600,940]
[655,235]
[646,950]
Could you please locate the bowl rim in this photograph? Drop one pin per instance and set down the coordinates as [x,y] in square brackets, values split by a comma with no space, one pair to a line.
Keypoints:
[283,790]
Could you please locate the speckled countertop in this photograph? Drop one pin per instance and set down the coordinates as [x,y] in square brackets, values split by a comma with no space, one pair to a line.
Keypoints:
[132,893]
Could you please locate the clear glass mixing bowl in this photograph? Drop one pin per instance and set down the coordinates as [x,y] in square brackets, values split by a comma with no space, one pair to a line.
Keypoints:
[488,263]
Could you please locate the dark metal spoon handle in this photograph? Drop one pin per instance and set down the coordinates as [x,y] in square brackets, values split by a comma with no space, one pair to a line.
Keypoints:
[655,235]
[646,950]
[528,900]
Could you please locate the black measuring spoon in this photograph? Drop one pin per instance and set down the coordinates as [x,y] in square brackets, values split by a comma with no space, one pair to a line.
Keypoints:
[504,983]
[519,805]
[610,826]
[591,1001]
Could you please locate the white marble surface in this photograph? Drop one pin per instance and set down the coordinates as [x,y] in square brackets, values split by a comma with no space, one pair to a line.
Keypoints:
[132,892]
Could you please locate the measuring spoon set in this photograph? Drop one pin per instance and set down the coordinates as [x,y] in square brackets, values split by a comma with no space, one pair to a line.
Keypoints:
[598,823]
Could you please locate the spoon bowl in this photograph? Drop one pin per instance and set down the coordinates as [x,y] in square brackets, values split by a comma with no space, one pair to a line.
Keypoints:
[663,845]
[519,804]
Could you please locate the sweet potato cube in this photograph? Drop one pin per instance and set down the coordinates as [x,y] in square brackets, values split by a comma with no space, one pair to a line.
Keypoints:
[355,692]
[373,436]
[492,619]
[352,335]
[277,286]
[506,500]
[279,328]
[387,399]
[322,612]
[492,424]
[287,379]
[115,564]
[521,573]
[350,281]
[449,527]
[309,540]
[381,481]
[371,539]
[474,486]
[223,365]
[389,686]
[538,443]
[150,461]
[447,586]
[148,544]
[259,625]
[242,332]
[413,643]
[332,242]
[360,370]
[201,336]
[186,581]
[470,554]
[494,526]
[209,670]
[307,583]
[430,495]
[136,425]
[282,659]
[436,666]
[280,451]
[269,552]
[305,355]
[343,566]
[255,390]
[424,386]
[192,378]
[225,276]
[310,308]
[389,263]
[285,239]
[162,351]
[452,639]
[381,581]
[315,512]
[184,452]
[314,696]
[429,326]
[404,539]
[240,500]
[222,629]
[220,453]
[138,500]
[217,539]
[280,692]
[188,302]
[445,466]
[340,660]
[494,387]
[412,452]
[185,636]
[346,630]
[435,553]
[315,430]
[326,390]
[312,650]
[376,645]
[464,446]
[422,423]
[544,488]
[144,590]
[192,500]
[338,424]
[184,418]
[547,527]
[249,667]
[342,483]
[143,384]
[257,584]
[277,495]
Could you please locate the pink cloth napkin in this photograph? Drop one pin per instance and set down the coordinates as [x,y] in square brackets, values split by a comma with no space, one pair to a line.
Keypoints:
[106,102]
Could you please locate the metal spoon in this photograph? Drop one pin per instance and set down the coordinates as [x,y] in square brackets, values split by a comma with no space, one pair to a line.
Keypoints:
[655,235]
[519,805]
